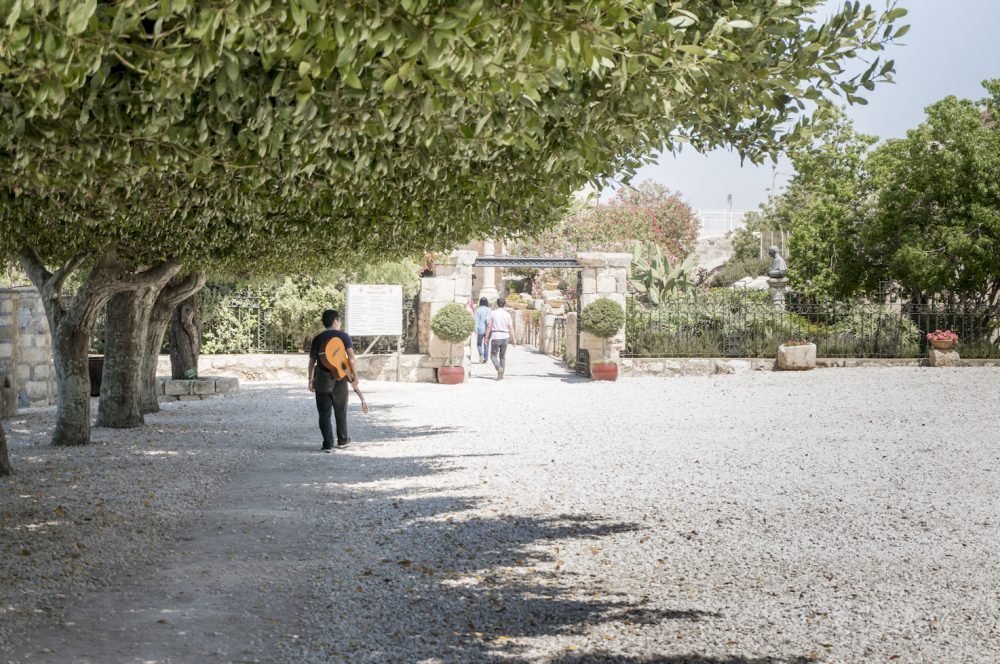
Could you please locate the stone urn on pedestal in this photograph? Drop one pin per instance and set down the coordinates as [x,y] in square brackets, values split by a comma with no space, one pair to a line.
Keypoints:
[942,351]
[603,318]
[453,323]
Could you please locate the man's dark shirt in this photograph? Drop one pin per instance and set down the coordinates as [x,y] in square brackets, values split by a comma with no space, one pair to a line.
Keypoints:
[319,342]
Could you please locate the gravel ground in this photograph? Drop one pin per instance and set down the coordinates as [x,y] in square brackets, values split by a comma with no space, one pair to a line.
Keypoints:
[831,516]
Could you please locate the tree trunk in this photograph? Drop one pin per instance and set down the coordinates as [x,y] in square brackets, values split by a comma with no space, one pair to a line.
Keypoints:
[72,328]
[125,335]
[70,345]
[185,340]
[5,468]
[173,293]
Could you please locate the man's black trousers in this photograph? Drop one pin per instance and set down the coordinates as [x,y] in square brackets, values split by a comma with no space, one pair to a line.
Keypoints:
[331,395]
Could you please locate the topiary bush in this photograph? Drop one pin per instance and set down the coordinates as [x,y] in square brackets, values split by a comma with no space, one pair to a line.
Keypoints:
[603,318]
[453,323]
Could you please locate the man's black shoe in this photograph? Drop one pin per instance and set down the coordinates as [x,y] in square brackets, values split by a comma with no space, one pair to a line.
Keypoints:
[326,449]
[341,444]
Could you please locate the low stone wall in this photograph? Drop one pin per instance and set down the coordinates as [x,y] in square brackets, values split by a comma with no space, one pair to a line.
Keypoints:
[707,366]
[169,389]
[293,366]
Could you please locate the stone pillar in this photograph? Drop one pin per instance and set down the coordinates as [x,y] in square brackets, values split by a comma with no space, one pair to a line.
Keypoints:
[488,289]
[8,351]
[604,275]
[452,282]
[777,289]
[36,375]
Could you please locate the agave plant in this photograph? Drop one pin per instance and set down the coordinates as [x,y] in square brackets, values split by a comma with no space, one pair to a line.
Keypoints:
[654,278]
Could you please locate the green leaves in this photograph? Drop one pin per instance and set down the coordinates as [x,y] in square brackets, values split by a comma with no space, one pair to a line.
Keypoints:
[79,16]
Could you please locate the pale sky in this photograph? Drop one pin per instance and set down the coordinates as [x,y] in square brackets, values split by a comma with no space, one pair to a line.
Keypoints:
[951,48]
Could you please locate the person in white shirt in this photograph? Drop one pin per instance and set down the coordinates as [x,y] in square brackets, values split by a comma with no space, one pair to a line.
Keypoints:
[499,333]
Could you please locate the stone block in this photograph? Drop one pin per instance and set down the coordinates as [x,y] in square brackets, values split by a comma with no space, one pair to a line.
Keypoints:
[163,398]
[464,257]
[33,355]
[227,384]
[41,371]
[425,375]
[6,349]
[592,259]
[434,289]
[22,372]
[619,260]
[606,283]
[37,391]
[589,283]
[463,288]
[177,387]
[943,358]
[203,386]
[188,397]
[796,358]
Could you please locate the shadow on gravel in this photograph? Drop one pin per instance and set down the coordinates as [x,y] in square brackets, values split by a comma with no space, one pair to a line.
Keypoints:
[430,579]
[594,658]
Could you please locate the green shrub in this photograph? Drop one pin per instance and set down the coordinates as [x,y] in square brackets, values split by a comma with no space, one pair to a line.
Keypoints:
[453,323]
[602,318]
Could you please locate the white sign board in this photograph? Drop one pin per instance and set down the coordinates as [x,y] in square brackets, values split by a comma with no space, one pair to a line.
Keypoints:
[371,311]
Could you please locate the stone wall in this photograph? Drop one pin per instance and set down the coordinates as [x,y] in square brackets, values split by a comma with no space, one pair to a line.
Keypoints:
[294,366]
[27,375]
[8,352]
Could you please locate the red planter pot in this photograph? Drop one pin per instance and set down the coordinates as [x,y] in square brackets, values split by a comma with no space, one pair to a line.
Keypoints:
[451,375]
[604,371]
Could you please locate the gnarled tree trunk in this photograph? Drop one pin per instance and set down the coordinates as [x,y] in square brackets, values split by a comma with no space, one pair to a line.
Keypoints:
[125,351]
[5,468]
[173,293]
[72,328]
[185,340]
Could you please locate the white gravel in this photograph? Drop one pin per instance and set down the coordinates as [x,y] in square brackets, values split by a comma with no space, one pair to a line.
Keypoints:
[836,516]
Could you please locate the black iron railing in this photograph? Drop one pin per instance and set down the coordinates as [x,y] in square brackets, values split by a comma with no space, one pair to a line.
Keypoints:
[740,323]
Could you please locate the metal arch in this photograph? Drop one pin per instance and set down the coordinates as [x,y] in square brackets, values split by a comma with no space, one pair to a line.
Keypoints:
[507,261]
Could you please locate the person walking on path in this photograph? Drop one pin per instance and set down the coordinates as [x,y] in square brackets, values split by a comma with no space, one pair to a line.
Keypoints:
[482,318]
[500,332]
[331,394]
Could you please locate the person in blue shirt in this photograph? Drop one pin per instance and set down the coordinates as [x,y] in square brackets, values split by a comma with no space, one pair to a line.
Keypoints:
[482,316]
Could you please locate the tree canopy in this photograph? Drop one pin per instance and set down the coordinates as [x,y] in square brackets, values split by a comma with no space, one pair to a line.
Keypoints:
[922,212]
[171,127]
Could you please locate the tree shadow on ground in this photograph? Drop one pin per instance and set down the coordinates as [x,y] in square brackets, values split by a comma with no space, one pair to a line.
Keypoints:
[595,658]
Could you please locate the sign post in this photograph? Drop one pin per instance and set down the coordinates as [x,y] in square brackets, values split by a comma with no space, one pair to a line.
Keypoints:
[375,311]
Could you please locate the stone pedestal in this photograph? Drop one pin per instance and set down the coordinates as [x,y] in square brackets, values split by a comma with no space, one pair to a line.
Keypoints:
[796,358]
[604,275]
[943,358]
[777,289]
[452,282]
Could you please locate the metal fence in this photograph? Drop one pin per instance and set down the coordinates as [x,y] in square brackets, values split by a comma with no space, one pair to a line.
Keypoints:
[740,323]
[248,326]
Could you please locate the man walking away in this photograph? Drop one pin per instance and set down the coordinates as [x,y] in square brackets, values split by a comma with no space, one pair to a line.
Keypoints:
[331,394]
[500,332]
[482,317]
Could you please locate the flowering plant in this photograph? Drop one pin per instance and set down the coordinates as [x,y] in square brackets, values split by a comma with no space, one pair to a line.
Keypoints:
[942,335]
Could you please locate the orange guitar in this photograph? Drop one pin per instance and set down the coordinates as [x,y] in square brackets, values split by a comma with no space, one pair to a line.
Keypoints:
[336,360]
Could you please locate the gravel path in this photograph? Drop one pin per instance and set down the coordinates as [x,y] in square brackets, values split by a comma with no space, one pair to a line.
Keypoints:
[831,516]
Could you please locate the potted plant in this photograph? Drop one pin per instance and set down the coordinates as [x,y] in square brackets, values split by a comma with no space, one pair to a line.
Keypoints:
[603,318]
[453,323]
[942,339]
